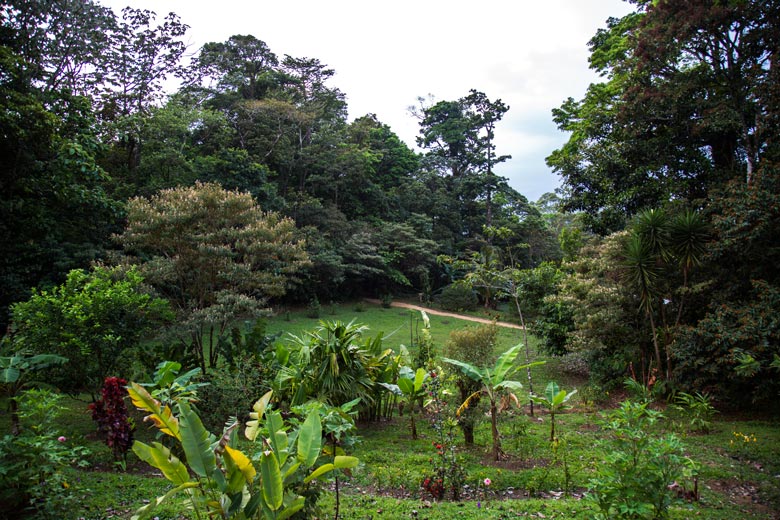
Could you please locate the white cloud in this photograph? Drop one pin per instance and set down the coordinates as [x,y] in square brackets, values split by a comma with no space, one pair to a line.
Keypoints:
[530,54]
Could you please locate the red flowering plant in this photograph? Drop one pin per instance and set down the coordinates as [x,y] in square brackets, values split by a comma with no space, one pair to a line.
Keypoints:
[111,415]
[448,475]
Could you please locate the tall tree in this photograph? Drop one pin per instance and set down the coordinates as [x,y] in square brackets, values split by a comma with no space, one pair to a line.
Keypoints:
[214,254]
[687,105]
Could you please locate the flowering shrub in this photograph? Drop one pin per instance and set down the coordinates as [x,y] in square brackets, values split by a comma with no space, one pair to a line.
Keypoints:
[449,475]
[110,414]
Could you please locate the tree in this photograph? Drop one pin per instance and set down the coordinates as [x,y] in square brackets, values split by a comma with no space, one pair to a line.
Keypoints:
[460,138]
[54,212]
[214,254]
[93,319]
[474,346]
[686,106]
[495,384]
[658,247]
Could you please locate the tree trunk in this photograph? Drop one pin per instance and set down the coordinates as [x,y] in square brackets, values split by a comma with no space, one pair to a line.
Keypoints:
[494,431]
[14,410]
[655,339]
[527,354]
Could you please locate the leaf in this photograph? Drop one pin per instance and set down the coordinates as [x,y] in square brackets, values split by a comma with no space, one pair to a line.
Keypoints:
[9,375]
[310,440]
[406,386]
[272,481]
[345,462]
[253,426]
[551,390]
[162,417]
[393,388]
[160,457]
[419,378]
[195,442]
[242,462]
[469,370]
[325,468]
[294,506]
[505,364]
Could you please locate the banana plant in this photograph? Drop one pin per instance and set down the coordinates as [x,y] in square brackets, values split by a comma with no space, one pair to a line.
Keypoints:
[220,480]
[554,399]
[410,387]
[496,384]
[14,373]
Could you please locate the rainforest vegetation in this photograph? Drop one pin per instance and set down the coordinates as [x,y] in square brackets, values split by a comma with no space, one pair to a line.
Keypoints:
[157,244]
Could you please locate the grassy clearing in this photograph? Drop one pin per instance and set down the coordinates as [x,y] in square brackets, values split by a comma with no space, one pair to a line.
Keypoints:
[737,479]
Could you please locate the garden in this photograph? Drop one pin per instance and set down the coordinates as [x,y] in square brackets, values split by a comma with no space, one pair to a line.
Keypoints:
[583,453]
[201,286]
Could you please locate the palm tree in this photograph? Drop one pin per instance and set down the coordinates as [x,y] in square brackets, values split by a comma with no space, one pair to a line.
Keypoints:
[331,364]
[642,271]
[657,245]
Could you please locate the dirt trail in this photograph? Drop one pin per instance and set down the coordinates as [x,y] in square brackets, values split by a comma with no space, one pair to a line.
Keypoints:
[444,313]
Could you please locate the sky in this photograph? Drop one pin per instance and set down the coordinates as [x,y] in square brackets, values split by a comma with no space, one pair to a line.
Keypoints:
[530,54]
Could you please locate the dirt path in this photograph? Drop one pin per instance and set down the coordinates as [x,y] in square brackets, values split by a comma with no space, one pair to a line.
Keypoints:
[450,314]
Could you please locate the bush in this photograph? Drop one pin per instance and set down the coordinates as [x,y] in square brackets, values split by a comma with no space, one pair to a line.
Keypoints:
[457,297]
[110,414]
[32,482]
[634,480]
[314,309]
[231,391]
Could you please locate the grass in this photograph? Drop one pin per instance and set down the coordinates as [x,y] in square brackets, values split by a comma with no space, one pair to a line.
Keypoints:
[736,479]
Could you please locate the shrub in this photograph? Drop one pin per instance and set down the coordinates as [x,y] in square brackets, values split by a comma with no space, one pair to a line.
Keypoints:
[110,414]
[314,309]
[226,481]
[634,480]
[92,319]
[32,482]
[231,390]
[458,297]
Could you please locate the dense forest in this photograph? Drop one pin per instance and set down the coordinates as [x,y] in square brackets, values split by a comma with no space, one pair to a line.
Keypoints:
[249,187]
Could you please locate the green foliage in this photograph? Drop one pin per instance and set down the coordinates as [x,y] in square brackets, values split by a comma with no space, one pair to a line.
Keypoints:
[695,410]
[314,309]
[633,482]
[554,399]
[33,482]
[410,385]
[495,383]
[457,296]
[15,375]
[215,254]
[228,391]
[227,480]
[93,319]
[473,345]
[331,363]
[598,315]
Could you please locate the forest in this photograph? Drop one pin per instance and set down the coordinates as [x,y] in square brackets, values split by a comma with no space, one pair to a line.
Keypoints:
[155,245]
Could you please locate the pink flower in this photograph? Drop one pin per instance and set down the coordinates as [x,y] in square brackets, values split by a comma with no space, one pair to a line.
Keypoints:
[62,438]
[487,481]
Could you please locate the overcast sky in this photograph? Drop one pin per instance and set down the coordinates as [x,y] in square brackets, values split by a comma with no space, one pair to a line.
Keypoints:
[531,54]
